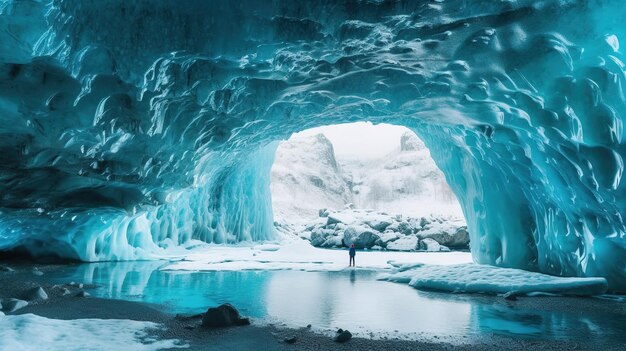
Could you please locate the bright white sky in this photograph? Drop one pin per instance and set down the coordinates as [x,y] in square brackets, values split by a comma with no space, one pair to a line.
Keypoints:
[362,139]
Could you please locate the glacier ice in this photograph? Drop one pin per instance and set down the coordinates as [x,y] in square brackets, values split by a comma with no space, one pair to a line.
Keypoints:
[127,127]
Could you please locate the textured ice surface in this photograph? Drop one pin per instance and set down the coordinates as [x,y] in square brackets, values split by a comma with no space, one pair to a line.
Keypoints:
[31,332]
[129,126]
[477,278]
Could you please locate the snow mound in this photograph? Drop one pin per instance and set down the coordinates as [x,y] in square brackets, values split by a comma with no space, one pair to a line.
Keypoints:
[31,332]
[476,278]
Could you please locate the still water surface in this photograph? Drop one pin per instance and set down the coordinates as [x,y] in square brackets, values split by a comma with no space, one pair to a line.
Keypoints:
[351,299]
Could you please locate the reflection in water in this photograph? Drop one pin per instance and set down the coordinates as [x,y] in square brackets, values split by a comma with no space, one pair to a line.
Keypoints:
[327,300]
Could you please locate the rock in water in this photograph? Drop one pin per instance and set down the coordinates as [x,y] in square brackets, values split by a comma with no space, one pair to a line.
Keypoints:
[6,269]
[343,336]
[36,294]
[12,305]
[223,316]
[82,293]
[511,296]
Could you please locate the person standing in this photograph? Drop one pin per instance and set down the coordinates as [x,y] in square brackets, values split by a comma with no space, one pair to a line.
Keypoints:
[352,253]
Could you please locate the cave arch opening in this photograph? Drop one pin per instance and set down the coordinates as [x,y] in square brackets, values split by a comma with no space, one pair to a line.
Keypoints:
[360,172]
[373,185]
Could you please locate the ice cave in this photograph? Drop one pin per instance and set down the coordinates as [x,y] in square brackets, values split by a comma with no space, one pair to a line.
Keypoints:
[132,129]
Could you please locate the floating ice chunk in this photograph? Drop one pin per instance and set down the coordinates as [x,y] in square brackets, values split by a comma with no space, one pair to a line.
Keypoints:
[476,278]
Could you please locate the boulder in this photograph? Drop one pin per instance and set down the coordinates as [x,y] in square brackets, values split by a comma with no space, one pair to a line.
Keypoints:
[379,223]
[333,241]
[405,228]
[423,222]
[82,293]
[361,236]
[340,217]
[456,237]
[342,336]
[387,237]
[291,340]
[429,244]
[317,238]
[223,316]
[405,243]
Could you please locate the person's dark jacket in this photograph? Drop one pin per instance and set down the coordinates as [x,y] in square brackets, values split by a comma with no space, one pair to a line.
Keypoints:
[352,251]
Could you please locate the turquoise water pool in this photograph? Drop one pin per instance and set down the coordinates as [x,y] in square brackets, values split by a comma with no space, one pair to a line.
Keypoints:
[351,299]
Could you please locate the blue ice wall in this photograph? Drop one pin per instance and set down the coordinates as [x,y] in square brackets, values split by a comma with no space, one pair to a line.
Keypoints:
[127,127]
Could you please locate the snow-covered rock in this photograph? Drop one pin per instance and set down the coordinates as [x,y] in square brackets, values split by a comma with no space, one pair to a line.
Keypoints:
[361,236]
[429,244]
[388,236]
[364,228]
[405,243]
[379,223]
[446,235]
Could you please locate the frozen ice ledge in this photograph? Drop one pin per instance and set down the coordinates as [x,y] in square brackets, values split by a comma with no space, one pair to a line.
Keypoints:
[130,127]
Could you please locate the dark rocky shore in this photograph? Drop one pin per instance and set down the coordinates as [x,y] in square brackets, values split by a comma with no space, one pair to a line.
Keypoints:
[66,302]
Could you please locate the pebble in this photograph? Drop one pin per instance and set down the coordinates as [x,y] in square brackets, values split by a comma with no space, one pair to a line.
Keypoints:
[37,293]
[291,340]
[342,336]
[12,305]
[510,296]
[82,293]
[6,269]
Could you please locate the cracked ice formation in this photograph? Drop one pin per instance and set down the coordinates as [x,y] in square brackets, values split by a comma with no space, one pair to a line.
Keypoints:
[130,126]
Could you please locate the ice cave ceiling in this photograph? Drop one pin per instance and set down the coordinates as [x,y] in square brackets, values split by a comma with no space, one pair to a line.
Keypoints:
[131,126]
